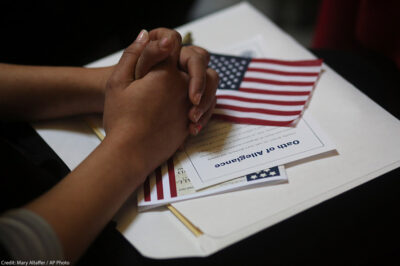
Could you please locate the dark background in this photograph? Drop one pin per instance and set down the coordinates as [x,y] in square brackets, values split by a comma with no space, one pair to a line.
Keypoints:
[358,227]
[78,32]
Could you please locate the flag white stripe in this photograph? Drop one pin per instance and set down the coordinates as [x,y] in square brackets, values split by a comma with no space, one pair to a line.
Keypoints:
[153,188]
[287,98]
[165,181]
[264,86]
[260,105]
[253,115]
[261,75]
[141,193]
[308,69]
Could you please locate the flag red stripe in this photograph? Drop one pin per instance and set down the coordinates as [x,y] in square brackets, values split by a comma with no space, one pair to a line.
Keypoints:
[256,110]
[251,100]
[278,82]
[316,62]
[159,184]
[253,121]
[146,189]
[171,175]
[284,73]
[272,92]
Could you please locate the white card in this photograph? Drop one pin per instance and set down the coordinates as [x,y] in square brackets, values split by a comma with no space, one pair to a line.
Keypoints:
[223,151]
[171,183]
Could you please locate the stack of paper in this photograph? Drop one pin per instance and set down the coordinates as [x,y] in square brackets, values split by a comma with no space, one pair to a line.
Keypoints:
[263,99]
[226,157]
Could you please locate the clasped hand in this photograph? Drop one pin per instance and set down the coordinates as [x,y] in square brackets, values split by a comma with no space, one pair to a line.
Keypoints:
[158,93]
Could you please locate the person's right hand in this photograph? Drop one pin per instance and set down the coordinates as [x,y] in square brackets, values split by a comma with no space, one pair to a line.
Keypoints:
[192,60]
[147,116]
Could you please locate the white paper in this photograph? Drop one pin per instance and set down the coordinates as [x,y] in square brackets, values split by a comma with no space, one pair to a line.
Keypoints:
[185,189]
[223,151]
[366,137]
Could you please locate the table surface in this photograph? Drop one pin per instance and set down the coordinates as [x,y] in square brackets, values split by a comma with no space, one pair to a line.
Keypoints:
[357,224]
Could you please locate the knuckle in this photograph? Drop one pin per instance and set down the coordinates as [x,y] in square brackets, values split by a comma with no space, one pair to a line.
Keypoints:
[206,117]
[159,30]
[112,83]
[213,75]
[213,100]
[166,31]
[199,59]
[203,52]
[209,99]
[177,35]
[163,29]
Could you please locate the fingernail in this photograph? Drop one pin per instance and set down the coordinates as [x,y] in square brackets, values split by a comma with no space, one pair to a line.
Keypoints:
[143,36]
[197,98]
[164,43]
[196,116]
[198,128]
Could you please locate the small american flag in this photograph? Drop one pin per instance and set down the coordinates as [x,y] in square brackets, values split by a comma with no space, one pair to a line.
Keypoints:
[168,184]
[263,91]
[158,187]
[270,172]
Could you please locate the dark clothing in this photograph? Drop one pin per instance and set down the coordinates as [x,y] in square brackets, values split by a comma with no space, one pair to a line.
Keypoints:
[29,166]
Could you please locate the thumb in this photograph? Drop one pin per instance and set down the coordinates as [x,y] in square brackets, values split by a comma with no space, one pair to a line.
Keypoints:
[125,69]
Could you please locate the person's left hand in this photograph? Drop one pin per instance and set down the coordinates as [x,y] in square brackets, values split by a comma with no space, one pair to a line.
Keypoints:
[192,60]
[202,87]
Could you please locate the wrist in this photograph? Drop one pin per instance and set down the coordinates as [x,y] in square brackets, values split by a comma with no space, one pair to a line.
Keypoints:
[105,73]
[99,78]
[127,156]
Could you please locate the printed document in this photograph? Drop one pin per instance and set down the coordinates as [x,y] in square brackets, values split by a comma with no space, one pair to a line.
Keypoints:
[170,183]
[224,151]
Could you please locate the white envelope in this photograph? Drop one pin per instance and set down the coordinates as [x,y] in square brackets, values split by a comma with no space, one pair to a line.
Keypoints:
[366,137]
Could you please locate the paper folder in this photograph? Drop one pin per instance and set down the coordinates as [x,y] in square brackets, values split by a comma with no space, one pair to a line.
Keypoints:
[366,137]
